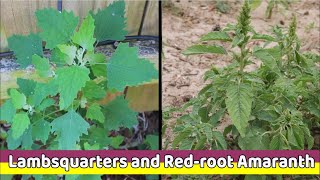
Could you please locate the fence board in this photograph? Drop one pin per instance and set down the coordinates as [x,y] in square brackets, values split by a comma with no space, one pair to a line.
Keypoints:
[17,17]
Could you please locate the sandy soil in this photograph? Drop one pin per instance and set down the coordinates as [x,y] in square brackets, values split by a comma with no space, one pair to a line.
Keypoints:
[185,22]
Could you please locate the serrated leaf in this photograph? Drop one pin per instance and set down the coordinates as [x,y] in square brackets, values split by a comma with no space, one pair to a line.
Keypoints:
[84,36]
[204,49]
[45,104]
[69,52]
[24,47]
[42,66]
[98,63]
[98,135]
[87,146]
[201,143]
[7,111]
[18,99]
[57,28]
[43,90]
[27,141]
[116,141]
[94,113]
[118,114]
[26,86]
[239,102]
[125,68]
[216,35]
[41,130]
[153,141]
[70,127]
[13,143]
[70,80]
[20,123]
[93,91]
[110,22]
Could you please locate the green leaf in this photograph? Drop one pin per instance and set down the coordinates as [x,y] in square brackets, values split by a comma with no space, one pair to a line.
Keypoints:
[69,52]
[110,22]
[239,102]
[255,177]
[94,112]
[18,99]
[84,36]
[7,111]
[92,90]
[27,141]
[57,28]
[98,135]
[277,143]
[13,143]
[45,104]
[116,141]
[263,37]
[219,138]
[87,146]
[43,90]
[26,86]
[89,177]
[24,47]
[42,66]
[254,3]
[98,63]
[201,143]
[216,35]
[204,49]
[41,130]
[181,136]
[70,80]
[153,141]
[70,127]
[269,57]
[118,114]
[20,123]
[125,68]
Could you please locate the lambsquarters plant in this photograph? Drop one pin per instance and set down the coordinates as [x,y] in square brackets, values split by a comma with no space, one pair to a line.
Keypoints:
[272,107]
[61,111]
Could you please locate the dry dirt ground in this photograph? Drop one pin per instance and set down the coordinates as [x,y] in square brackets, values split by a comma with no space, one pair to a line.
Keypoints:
[184,22]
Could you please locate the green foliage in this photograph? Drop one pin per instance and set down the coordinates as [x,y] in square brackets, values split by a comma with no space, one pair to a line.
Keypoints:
[62,110]
[272,107]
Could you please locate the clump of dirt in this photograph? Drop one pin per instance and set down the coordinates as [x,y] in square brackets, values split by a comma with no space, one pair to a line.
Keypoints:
[184,22]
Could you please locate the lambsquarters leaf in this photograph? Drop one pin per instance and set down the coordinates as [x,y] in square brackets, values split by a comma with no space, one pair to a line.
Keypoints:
[118,114]
[20,123]
[68,53]
[7,111]
[125,68]
[84,37]
[94,112]
[57,28]
[41,130]
[18,99]
[26,86]
[239,102]
[24,47]
[42,66]
[111,22]
[70,127]
[70,80]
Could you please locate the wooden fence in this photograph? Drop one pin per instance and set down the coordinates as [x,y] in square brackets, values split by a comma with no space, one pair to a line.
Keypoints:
[17,16]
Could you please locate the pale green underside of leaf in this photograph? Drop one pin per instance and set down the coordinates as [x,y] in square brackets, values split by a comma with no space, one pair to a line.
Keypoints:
[69,53]
[42,66]
[125,68]
[118,114]
[70,127]
[204,49]
[24,47]
[94,113]
[57,28]
[110,23]
[70,80]
[84,37]
[239,102]
[20,123]
[216,35]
